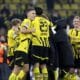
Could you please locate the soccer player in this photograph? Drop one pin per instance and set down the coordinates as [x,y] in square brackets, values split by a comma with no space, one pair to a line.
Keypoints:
[74,35]
[21,52]
[40,45]
[12,36]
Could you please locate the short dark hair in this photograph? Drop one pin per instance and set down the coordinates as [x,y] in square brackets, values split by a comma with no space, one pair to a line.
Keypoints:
[15,21]
[29,9]
[39,11]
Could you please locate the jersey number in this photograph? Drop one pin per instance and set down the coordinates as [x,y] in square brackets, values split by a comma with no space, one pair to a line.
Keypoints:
[43,26]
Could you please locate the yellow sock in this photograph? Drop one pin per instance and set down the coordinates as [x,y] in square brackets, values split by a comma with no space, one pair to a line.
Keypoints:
[21,75]
[56,74]
[44,70]
[36,72]
[45,73]
[12,76]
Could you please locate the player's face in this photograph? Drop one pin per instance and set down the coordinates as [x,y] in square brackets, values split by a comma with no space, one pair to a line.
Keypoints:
[2,38]
[31,14]
[17,27]
[76,22]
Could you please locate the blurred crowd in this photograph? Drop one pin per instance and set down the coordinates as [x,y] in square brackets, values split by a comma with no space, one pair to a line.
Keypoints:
[15,9]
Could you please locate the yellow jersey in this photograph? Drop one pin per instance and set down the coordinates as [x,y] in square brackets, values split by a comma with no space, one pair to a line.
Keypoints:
[26,22]
[75,41]
[12,39]
[41,36]
[24,38]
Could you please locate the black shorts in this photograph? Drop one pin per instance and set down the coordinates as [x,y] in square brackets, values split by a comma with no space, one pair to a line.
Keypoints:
[21,58]
[11,64]
[39,54]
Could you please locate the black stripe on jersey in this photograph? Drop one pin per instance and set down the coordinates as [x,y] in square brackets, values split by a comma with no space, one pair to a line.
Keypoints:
[45,40]
[36,38]
[76,33]
[42,41]
[72,31]
[77,55]
[25,39]
[75,51]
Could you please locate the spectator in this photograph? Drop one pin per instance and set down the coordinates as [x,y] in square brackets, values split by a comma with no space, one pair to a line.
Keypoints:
[50,5]
[4,69]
